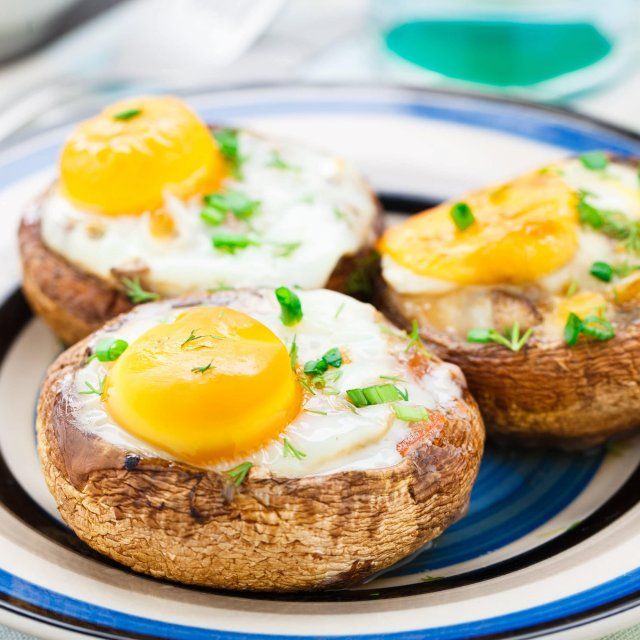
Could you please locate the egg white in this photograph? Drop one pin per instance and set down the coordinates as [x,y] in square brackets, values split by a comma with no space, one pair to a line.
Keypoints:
[331,432]
[316,200]
[615,189]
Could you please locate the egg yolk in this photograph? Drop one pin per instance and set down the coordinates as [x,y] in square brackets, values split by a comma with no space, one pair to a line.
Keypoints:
[124,160]
[523,230]
[213,385]
[582,304]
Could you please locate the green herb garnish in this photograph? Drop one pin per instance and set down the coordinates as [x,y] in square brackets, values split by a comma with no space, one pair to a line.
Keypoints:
[91,390]
[194,337]
[315,367]
[290,306]
[290,450]
[602,270]
[238,474]
[234,202]
[108,350]
[293,353]
[410,413]
[136,293]
[276,162]
[127,115]
[614,224]
[203,369]
[594,160]
[338,311]
[592,326]
[512,340]
[232,242]
[572,288]
[212,216]
[333,357]
[377,394]
[415,341]
[285,249]
[462,215]
[227,140]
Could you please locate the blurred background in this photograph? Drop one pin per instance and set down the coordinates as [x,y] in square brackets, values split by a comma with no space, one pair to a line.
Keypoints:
[58,57]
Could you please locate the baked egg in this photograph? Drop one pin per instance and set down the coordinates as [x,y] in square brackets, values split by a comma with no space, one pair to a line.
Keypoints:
[148,193]
[296,382]
[557,244]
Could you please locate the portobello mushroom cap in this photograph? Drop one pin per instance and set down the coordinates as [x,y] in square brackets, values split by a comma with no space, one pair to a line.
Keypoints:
[187,524]
[548,393]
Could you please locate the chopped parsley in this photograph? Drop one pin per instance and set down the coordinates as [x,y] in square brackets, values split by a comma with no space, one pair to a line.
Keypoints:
[462,215]
[239,474]
[593,326]
[108,350]
[377,394]
[290,306]
[136,293]
[128,114]
[290,450]
[594,160]
[512,340]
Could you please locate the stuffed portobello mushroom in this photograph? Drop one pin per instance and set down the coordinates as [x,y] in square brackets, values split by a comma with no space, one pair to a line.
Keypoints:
[532,287]
[151,203]
[258,440]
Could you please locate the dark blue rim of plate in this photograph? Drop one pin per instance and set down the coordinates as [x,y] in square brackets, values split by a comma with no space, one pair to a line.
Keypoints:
[573,132]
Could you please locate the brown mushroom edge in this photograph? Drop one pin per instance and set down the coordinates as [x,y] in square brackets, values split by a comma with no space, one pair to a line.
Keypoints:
[547,394]
[174,521]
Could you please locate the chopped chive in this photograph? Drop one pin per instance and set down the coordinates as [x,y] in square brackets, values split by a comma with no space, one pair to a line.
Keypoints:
[285,249]
[229,145]
[212,216]
[414,338]
[290,450]
[293,353]
[127,115]
[515,341]
[602,270]
[315,367]
[592,326]
[594,160]
[108,350]
[317,412]
[393,378]
[462,215]
[238,474]
[203,369]
[339,214]
[572,329]
[136,293]
[290,306]
[377,394]
[590,215]
[276,162]
[91,390]
[572,288]
[232,242]
[338,311]
[333,357]
[234,202]
[410,413]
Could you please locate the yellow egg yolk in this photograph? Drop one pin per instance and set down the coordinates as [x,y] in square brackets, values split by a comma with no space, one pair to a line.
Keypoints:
[523,230]
[583,304]
[213,385]
[124,160]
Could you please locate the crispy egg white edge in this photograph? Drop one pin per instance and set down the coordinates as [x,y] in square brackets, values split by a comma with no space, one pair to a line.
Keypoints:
[344,439]
[613,189]
[320,201]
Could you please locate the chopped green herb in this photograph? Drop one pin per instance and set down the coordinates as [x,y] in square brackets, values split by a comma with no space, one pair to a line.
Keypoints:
[128,114]
[233,202]
[317,412]
[227,140]
[293,353]
[333,357]
[513,340]
[377,394]
[212,216]
[410,413]
[194,337]
[315,367]
[285,249]
[232,242]
[290,306]
[462,215]
[220,287]
[91,390]
[203,369]
[394,378]
[415,341]
[238,474]
[572,288]
[592,326]
[339,214]
[338,311]
[108,350]
[276,162]
[290,450]
[602,270]
[136,293]
[594,160]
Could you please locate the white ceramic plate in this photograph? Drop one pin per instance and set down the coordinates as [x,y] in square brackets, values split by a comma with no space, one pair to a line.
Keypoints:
[551,544]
